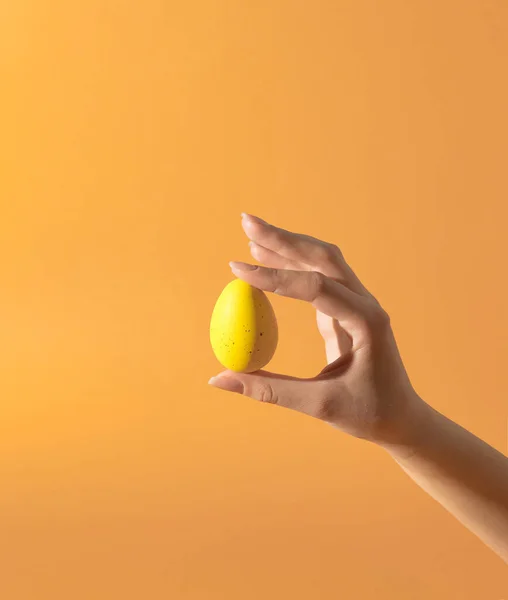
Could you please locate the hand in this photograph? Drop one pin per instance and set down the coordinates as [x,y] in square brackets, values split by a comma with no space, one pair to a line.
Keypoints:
[364,390]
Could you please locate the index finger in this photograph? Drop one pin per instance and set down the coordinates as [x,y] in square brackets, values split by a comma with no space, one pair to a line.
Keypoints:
[325,294]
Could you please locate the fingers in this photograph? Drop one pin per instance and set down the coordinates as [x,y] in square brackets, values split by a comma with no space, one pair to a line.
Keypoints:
[308,396]
[326,295]
[293,246]
[273,259]
[306,251]
[336,339]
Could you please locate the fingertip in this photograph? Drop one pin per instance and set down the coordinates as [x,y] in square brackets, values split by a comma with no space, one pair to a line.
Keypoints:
[230,384]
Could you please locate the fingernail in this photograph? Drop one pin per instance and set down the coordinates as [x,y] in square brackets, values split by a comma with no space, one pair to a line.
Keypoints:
[241,266]
[227,383]
[247,222]
[248,219]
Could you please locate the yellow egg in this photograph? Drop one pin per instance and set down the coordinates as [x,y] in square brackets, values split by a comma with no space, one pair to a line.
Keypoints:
[243,328]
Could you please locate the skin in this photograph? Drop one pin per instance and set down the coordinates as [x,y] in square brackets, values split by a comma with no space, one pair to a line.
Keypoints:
[365,390]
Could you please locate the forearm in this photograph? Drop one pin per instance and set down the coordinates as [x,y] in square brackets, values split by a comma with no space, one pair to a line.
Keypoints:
[464,474]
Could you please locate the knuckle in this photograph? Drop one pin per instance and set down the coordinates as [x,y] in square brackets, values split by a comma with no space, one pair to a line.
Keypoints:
[322,251]
[334,251]
[327,252]
[279,281]
[324,408]
[267,394]
[318,282]
[378,319]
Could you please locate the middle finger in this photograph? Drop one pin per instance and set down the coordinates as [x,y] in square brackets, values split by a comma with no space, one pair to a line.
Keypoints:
[274,259]
[286,249]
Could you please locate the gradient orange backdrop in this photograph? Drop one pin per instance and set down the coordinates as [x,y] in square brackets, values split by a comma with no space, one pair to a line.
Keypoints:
[132,136]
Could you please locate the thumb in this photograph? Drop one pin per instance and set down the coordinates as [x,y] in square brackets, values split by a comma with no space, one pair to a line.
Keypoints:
[304,395]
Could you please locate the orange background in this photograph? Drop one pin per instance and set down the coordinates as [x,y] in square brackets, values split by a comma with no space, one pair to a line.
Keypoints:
[132,136]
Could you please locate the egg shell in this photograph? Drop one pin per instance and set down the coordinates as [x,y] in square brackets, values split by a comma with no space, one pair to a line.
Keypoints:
[243,328]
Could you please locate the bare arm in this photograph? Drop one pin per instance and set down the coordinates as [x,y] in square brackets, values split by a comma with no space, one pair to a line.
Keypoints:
[365,390]
[463,473]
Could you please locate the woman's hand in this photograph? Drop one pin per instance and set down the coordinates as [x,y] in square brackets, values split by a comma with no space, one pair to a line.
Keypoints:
[364,390]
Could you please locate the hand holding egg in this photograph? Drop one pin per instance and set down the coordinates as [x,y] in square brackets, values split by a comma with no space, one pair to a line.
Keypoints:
[364,377]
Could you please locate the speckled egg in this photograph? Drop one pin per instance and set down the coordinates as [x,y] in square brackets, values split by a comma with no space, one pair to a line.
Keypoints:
[243,328]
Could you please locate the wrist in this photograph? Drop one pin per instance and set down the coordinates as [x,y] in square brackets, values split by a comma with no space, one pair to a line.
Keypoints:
[412,430]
